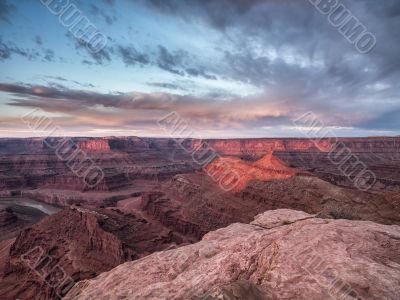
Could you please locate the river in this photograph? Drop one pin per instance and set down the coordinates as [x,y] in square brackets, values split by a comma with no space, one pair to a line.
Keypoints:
[43,207]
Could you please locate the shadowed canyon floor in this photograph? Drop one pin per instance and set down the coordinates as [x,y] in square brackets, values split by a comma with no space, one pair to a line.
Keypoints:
[156,202]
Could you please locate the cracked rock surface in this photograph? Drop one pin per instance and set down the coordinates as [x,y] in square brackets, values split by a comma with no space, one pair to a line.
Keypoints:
[282,254]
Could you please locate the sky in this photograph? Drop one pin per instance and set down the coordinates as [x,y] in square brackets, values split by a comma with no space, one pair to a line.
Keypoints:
[229,68]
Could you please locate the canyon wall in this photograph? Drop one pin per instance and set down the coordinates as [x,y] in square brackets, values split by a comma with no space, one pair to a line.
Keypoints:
[223,146]
[34,163]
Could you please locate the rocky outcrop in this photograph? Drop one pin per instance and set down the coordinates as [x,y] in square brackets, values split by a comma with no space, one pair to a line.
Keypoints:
[31,163]
[20,146]
[253,147]
[118,171]
[68,246]
[5,246]
[194,204]
[93,145]
[78,243]
[256,147]
[160,208]
[242,172]
[7,217]
[283,254]
[10,223]
[87,144]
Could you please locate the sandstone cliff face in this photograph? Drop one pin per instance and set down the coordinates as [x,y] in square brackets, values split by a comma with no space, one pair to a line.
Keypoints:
[31,163]
[18,146]
[194,204]
[4,251]
[283,254]
[78,243]
[10,224]
[256,147]
[119,169]
[94,145]
[163,210]
[87,144]
[267,168]
[48,257]
[226,146]
[261,146]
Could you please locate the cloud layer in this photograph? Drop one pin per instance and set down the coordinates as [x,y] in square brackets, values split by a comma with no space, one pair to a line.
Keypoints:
[253,64]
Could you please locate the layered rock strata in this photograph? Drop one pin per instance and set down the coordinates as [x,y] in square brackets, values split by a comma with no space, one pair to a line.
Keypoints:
[282,254]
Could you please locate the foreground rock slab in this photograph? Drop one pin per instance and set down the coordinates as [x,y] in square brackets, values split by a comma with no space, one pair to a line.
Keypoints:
[283,254]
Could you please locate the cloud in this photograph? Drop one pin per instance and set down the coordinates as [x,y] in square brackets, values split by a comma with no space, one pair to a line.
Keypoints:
[171,62]
[65,80]
[96,11]
[6,10]
[83,105]
[141,111]
[389,121]
[109,2]
[49,55]
[75,96]
[38,40]
[99,58]
[200,72]
[9,49]
[294,55]
[286,51]
[180,62]
[218,13]
[131,57]
[166,85]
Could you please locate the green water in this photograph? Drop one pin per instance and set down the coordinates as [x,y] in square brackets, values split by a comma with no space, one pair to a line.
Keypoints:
[27,208]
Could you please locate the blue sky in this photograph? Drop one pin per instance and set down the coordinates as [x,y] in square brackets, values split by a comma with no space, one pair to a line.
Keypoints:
[231,68]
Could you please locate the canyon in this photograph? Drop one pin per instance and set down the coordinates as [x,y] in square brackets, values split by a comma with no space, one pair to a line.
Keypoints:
[266,259]
[160,198]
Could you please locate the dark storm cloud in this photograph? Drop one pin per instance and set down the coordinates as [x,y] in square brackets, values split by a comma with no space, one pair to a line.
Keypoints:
[292,52]
[218,13]
[285,50]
